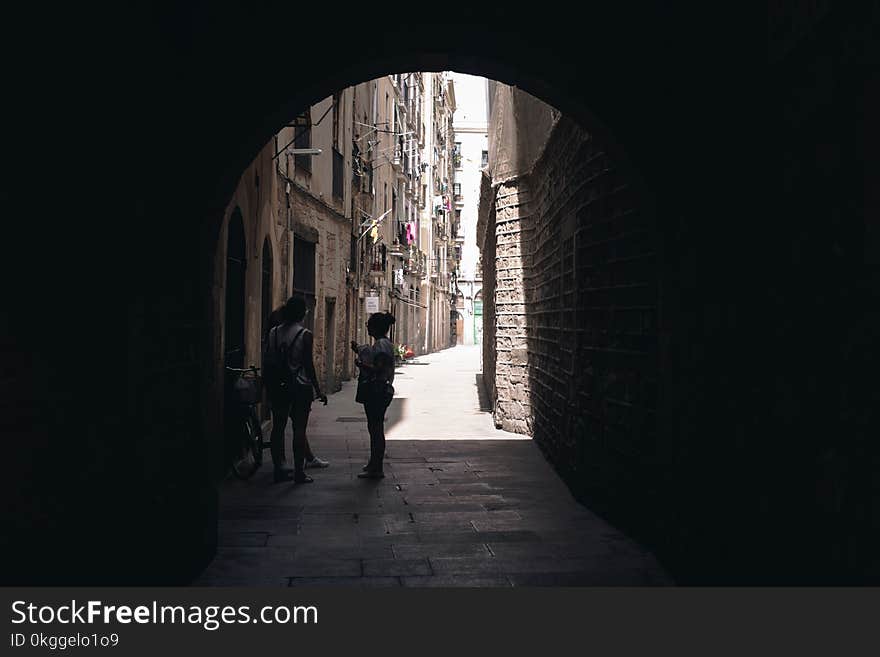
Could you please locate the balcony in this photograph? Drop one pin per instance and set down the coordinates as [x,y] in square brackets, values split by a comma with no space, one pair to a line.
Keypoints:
[375,261]
[397,161]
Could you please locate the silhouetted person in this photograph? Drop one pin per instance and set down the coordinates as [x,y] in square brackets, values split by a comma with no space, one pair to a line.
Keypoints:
[375,391]
[293,340]
[312,461]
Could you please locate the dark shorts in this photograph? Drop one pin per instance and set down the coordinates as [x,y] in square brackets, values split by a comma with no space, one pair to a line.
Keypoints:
[299,401]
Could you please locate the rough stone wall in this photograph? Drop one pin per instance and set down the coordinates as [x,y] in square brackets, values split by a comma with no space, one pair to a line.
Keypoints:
[317,221]
[513,236]
[575,280]
[486,243]
[592,300]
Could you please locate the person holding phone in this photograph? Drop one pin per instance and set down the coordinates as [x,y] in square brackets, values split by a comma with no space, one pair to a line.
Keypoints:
[374,390]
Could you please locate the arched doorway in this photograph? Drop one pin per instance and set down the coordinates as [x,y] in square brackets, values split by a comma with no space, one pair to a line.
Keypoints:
[266,264]
[478,317]
[234,322]
[236,264]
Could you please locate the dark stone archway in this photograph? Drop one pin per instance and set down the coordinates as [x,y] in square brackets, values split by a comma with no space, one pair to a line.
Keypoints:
[180,100]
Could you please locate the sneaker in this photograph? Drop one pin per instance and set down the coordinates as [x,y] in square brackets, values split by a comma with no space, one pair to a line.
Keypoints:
[317,463]
[302,479]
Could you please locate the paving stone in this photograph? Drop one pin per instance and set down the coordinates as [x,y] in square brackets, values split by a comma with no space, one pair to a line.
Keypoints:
[462,504]
[464,565]
[323,567]
[408,551]
[344,582]
[471,581]
[256,539]
[263,581]
[632,577]
[396,567]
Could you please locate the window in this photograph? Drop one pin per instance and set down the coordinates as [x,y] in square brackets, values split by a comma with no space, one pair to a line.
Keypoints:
[338,173]
[304,276]
[484,160]
[357,167]
[337,108]
[456,155]
[456,190]
[303,139]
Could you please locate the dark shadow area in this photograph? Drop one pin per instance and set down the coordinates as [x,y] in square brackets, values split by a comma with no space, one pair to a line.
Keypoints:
[760,457]
[448,513]
[483,394]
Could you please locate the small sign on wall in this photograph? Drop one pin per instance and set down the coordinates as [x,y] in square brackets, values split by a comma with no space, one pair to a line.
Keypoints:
[372,305]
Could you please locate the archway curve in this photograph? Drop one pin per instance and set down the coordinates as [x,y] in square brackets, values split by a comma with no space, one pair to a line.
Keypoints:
[650,77]
[640,171]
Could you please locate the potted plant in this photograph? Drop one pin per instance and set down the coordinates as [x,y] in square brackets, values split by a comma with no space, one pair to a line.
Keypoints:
[399,351]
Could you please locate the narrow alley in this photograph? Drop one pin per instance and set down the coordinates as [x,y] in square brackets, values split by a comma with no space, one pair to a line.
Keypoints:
[462,504]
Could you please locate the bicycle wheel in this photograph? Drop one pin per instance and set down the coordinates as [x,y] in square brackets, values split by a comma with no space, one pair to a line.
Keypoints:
[247,458]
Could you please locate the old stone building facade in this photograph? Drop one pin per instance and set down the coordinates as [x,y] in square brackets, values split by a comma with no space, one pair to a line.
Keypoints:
[472,155]
[439,224]
[364,225]
[403,263]
[290,218]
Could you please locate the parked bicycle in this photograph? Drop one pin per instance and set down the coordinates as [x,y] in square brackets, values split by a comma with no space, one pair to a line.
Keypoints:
[246,390]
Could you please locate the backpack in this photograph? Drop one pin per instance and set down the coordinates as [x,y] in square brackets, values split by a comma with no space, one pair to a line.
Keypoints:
[277,374]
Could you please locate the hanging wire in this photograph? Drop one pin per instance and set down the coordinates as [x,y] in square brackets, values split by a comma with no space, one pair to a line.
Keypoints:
[301,132]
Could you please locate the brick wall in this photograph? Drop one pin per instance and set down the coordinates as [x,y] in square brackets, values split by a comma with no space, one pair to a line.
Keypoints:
[592,299]
[513,232]
[486,243]
[574,326]
[333,233]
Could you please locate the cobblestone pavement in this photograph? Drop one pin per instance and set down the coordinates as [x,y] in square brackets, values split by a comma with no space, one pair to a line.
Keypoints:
[462,504]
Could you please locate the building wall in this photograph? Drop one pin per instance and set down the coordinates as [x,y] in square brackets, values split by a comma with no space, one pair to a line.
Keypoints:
[471,133]
[592,320]
[572,328]
[485,235]
[436,232]
[278,201]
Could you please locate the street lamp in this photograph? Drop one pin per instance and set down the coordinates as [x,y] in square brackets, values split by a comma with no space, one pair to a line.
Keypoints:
[304,151]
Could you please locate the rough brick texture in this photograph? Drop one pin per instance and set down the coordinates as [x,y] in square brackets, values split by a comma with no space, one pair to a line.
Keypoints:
[592,322]
[575,322]
[485,219]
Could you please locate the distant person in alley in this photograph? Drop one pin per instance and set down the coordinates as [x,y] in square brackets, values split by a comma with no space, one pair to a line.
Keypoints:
[375,390]
[289,372]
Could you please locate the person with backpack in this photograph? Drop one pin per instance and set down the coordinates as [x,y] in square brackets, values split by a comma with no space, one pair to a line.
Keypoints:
[289,373]
[375,390]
